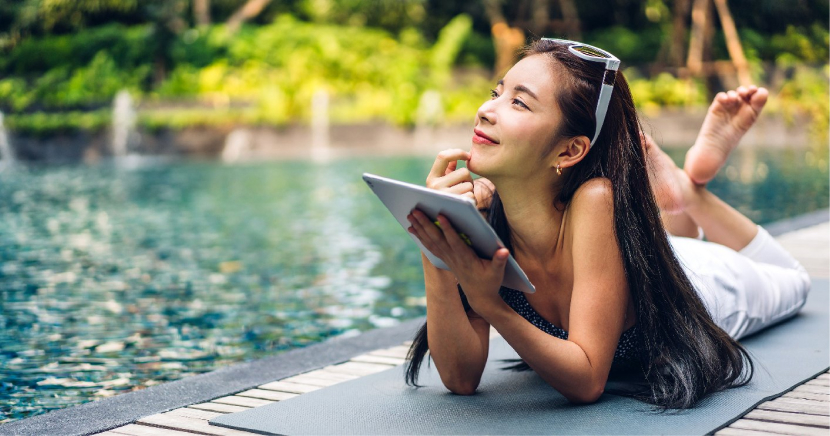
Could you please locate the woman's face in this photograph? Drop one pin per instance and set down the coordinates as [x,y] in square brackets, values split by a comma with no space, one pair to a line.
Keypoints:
[515,127]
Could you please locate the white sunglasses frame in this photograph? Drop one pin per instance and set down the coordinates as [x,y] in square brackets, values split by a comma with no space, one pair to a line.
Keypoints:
[612,63]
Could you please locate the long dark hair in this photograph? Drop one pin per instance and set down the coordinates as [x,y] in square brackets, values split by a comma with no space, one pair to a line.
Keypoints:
[686,355]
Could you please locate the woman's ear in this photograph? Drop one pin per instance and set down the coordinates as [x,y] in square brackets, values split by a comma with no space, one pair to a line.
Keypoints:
[573,151]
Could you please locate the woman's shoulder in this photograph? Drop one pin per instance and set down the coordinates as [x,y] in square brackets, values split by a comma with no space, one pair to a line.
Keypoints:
[596,196]
[591,212]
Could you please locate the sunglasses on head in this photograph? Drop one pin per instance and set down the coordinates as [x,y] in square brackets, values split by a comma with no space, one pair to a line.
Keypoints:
[595,54]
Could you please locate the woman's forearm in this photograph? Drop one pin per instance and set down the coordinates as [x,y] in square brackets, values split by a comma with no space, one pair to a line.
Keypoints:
[561,363]
[457,344]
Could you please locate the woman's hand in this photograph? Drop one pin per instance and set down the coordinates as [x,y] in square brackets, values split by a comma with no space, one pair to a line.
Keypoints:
[447,177]
[480,278]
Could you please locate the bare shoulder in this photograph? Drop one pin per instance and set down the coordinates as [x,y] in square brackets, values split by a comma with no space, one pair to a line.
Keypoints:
[594,198]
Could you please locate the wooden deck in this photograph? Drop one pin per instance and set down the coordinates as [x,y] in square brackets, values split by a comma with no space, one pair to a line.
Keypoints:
[803,411]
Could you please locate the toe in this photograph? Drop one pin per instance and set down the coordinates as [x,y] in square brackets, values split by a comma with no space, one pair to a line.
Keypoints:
[759,99]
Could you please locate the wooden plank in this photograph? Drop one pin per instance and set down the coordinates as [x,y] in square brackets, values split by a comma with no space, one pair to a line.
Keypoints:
[164,420]
[292,388]
[813,389]
[381,360]
[789,418]
[218,407]
[234,400]
[329,375]
[399,351]
[728,431]
[263,394]
[313,381]
[185,412]
[143,430]
[782,406]
[777,427]
[357,368]
[824,376]
[803,401]
[807,396]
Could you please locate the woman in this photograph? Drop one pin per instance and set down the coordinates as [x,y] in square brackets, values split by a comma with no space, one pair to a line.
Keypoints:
[571,197]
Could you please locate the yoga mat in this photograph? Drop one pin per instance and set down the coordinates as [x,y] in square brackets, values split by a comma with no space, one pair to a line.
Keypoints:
[521,403]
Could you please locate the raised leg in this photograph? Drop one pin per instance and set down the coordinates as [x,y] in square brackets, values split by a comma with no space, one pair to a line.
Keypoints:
[730,115]
[686,205]
[667,190]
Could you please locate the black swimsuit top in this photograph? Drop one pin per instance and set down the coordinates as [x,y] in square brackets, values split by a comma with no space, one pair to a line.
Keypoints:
[628,350]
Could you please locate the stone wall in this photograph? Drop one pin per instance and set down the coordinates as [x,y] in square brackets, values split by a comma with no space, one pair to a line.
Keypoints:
[670,129]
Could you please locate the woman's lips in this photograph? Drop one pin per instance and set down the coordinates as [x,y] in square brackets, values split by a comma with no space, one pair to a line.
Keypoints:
[480,138]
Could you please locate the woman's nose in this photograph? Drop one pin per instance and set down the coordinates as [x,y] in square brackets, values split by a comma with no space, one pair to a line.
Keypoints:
[486,112]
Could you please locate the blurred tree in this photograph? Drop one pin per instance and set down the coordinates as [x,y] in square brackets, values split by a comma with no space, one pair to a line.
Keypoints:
[201,12]
[250,9]
[166,17]
[533,17]
[506,39]
[680,12]
[733,43]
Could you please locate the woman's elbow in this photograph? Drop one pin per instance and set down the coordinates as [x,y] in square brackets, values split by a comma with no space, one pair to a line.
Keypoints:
[462,387]
[586,396]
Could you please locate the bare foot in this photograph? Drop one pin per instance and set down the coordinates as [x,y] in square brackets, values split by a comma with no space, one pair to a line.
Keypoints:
[730,115]
[669,183]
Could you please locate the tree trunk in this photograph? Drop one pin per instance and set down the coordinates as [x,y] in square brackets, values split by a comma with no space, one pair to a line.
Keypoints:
[678,39]
[733,43]
[571,17]
[201,12]
[250,9]
[507,40]
[540,17]
[700,15]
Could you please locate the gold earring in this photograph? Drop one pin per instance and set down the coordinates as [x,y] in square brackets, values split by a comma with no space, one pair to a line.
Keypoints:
[558,170]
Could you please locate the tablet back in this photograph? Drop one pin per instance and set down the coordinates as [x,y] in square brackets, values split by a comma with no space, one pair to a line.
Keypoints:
[401,198]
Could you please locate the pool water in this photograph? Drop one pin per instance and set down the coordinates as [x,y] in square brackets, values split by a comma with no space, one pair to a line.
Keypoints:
[116,278]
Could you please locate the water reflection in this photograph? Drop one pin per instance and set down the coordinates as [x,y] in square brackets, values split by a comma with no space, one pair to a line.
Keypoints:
[116,278]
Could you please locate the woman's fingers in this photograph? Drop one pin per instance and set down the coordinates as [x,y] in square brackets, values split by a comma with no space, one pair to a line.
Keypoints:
[461,188]
[456,177]
[442,162]
[432,237]
[454,239]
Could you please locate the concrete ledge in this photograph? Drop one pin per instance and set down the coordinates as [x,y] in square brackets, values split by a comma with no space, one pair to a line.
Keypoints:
[791,224]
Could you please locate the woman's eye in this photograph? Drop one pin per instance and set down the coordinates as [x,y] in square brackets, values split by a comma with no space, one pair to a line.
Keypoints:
[520,103]
[494,93]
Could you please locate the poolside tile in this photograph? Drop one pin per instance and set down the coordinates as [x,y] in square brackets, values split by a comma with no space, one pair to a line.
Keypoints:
[218,407]
[242,401]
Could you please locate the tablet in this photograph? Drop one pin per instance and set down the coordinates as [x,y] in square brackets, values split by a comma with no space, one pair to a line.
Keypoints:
[401,198]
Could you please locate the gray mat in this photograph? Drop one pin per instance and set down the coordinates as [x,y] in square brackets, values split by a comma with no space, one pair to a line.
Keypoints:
[521,403]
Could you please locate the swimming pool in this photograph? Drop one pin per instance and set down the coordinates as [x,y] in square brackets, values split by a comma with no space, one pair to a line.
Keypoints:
[116,278]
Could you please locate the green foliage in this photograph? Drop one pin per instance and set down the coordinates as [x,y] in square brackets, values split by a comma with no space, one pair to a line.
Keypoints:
[41,124]
[664,90]
[808,94]
[368,73]
[809,45]
[129,48]
[633,47]
[375,59]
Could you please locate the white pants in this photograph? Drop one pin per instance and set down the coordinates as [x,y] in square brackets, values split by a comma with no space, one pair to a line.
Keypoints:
[748,290]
